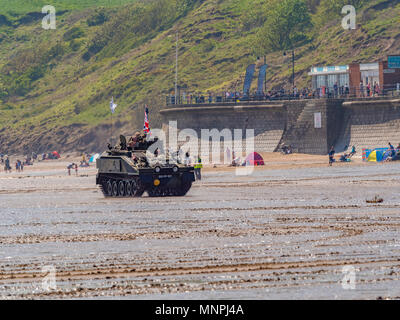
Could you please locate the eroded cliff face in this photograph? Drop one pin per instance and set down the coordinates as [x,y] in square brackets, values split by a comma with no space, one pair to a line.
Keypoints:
[73,138]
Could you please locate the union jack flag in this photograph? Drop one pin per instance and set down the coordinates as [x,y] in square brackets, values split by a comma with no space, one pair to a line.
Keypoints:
[146,127]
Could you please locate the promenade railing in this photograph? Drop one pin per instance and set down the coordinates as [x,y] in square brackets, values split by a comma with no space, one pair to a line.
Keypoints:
[239,97]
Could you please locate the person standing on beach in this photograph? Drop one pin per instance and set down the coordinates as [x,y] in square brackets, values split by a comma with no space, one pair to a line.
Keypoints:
[187,160]
[228,155]
[7,166]
[331,156]
[197,168]
[392,153]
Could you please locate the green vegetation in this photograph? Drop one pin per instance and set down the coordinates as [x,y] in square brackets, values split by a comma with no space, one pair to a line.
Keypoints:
[331,9]
[286,26]
[18,7]
[98,18]
[136,25]
[73,33]
[61,81]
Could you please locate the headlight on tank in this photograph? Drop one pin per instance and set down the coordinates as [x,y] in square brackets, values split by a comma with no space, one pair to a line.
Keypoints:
[175,169]
[157,169]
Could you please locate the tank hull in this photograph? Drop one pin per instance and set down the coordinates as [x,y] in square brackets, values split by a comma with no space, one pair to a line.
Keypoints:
[119,176]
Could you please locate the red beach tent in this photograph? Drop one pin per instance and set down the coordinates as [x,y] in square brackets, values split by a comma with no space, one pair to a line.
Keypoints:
[255,159]
[56,154]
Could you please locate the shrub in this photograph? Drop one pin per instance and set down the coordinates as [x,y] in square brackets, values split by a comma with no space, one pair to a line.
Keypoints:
[37,72]
[73,33]
[98,18]
[55,52]
[74,45]
[286,26]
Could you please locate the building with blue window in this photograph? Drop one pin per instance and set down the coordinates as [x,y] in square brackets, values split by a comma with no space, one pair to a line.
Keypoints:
[360,78]
[327,77]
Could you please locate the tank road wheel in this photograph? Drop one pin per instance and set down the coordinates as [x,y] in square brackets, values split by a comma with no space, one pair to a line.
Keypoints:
[109,188]
[139,192]
[137,188]
[134,187]
[121,188]
[128,189]
[103,187]
[115,189]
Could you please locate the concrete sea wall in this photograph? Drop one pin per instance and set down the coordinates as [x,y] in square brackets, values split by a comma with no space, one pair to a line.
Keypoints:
[370,124]
[364,123]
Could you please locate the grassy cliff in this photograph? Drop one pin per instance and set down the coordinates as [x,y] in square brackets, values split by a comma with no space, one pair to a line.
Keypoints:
[55,85]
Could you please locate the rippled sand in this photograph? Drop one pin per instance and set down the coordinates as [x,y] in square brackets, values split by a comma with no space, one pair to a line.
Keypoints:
[286,231]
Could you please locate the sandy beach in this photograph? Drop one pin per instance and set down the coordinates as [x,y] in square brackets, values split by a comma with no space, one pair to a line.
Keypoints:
[291,230]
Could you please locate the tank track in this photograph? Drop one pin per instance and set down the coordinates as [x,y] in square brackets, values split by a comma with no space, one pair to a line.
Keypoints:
[169,192]
[118,188]
[111,187]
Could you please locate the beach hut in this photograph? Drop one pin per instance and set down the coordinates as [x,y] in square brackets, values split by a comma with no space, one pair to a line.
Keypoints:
[254,159]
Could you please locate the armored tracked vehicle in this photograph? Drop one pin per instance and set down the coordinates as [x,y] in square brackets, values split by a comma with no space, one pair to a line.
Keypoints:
[127,171]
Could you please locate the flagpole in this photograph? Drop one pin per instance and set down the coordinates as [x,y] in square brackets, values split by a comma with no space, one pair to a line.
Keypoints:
[176,68]
[112,108]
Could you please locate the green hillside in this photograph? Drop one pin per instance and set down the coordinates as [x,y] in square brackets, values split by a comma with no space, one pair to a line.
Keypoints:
[18,7]
[55,85]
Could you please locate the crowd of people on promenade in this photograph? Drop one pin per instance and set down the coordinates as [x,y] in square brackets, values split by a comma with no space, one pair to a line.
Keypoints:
[336,91]
[234,96]
[369,90]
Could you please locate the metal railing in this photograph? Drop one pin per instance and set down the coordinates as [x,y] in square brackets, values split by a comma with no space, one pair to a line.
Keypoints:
[279,95]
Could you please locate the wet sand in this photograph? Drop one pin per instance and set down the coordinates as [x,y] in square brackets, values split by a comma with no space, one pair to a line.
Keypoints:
[286,232]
